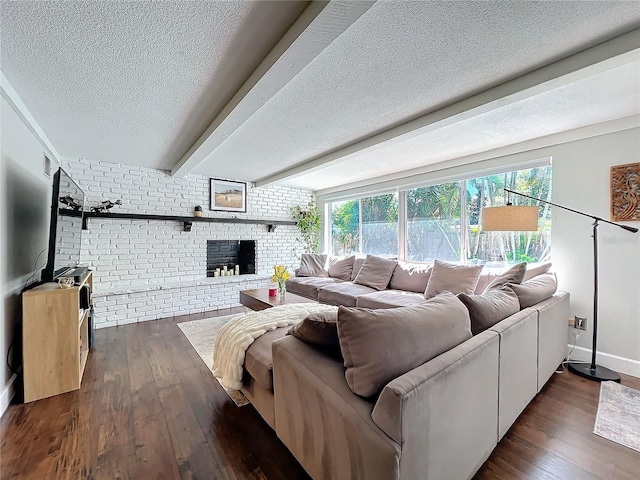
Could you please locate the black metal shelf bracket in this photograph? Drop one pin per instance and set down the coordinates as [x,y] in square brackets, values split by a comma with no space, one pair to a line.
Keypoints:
[187,221]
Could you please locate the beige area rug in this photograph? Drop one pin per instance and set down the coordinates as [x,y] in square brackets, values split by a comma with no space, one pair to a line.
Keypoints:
[202,336]
[618,417]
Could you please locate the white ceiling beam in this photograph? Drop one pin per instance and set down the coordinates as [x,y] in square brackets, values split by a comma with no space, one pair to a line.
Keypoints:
[613,53]
[518,153]
[318,26]
[13,99]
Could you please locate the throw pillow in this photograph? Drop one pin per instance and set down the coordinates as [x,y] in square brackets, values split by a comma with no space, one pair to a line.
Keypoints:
[357,265]
[375,272]
[340,267]
[410,277]
[537,289]
[535,270]
[312,265]
[515,274]
[380,345]
[489,308]
[453,278]
[318,329]
[487,276]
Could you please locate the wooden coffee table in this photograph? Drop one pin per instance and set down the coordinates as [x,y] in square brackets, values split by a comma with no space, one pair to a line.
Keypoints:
[259,299]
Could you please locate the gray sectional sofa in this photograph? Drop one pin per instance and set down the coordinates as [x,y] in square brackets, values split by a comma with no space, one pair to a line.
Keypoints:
[438,420]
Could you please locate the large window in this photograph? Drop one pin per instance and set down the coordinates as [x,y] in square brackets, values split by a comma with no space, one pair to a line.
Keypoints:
[367,225]
[345,227]
[444,221]
[433,223]
[508,247]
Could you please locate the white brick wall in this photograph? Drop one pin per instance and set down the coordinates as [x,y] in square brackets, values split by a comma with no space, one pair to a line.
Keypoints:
[138,255]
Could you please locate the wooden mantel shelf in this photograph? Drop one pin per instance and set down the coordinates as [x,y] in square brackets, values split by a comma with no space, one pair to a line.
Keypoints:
[271,224]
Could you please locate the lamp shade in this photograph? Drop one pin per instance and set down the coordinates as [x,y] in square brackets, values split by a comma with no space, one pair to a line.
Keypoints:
[510,218]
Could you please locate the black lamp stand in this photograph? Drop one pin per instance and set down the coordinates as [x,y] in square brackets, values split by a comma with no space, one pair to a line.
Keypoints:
[590,371]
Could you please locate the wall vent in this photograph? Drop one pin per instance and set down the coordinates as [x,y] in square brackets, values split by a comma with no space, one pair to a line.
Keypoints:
[46,166]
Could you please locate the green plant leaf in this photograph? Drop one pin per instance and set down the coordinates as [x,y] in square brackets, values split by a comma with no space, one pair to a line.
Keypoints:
[309,225]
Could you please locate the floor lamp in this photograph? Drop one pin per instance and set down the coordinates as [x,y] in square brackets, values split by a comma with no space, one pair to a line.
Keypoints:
[525,218]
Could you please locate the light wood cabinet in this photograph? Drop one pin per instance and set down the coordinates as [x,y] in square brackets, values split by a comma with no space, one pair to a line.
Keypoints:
[55,339]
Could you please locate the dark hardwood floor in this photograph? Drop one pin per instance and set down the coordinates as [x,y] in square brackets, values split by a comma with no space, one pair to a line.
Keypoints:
[150,409]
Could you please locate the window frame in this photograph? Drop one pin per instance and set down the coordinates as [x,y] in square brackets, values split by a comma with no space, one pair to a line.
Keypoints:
[401,191]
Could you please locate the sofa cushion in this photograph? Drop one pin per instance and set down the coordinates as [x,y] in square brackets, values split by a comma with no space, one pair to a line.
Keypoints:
[357,265]
[452,278]
[343,293]
[489,308]
[319,419]
[514,274]
[490,275]
[340,267]
[318,329]
[536,290]
[380,345]
[313,265]
[375,272]
[487,276]
[258,361]
[411,277]
[390,299]
[518,365]
[535,269]
[309,286]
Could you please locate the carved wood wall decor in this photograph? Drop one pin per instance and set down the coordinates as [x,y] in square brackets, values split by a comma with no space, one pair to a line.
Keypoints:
[625,192]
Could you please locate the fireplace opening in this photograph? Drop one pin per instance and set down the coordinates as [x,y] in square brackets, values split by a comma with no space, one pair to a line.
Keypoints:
[229,253]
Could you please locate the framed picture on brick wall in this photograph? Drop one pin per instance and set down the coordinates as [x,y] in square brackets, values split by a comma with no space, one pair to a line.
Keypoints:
[228,196]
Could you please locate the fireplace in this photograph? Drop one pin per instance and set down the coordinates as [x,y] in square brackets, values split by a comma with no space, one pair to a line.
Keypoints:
[229,253]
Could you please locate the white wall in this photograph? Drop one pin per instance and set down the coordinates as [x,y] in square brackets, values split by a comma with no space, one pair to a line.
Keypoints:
[24,224]
[581,180]
[132,257]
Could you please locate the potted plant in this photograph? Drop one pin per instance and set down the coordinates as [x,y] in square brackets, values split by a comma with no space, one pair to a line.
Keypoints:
[309,225]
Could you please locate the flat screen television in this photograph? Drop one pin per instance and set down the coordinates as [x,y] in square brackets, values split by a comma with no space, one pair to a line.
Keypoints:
[65,230]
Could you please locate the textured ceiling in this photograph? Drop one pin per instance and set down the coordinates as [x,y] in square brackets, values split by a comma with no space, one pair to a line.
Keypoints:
[400,60]
[134,82]
[139,82]
[595,99]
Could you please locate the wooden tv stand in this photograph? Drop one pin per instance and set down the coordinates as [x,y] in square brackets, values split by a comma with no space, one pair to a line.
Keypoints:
[55,339]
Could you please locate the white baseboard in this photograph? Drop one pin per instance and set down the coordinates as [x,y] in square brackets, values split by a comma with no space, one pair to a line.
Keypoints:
[7,394]
[618,364]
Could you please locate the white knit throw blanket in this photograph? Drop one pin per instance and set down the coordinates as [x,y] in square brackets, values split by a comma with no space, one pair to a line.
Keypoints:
[237,335]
